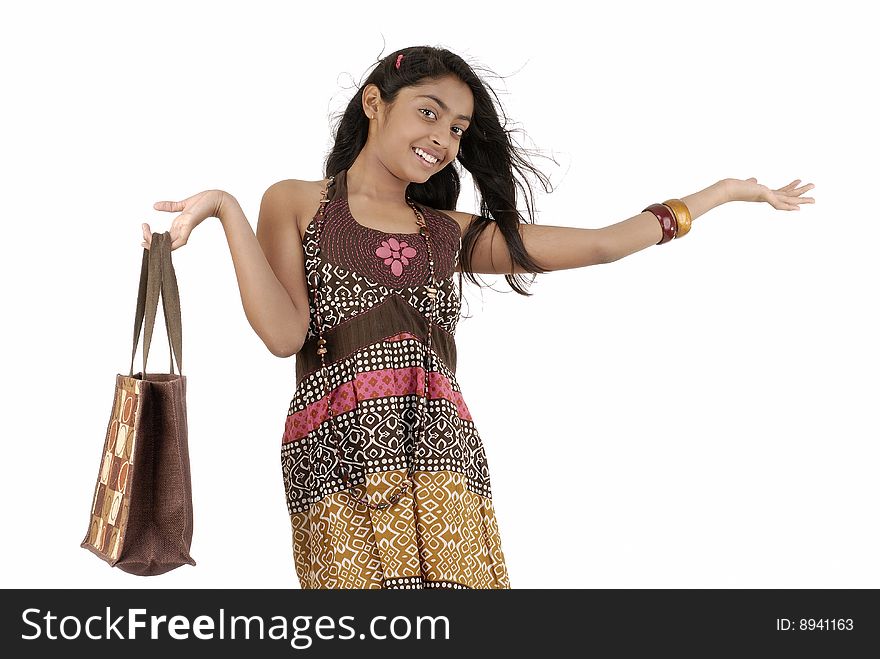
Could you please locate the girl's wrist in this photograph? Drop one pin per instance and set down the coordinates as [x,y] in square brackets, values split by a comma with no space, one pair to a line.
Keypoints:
[705,200]
[226,206]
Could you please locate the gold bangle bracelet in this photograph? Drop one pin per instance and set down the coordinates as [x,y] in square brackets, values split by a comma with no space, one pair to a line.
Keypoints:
[682,215]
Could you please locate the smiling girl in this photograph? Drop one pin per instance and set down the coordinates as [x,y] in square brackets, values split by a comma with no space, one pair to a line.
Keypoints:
[386,478]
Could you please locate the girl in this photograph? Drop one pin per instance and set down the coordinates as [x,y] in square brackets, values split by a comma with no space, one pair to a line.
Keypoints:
[385,474]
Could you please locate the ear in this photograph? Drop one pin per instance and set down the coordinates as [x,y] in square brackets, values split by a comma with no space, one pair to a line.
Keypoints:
[371,100]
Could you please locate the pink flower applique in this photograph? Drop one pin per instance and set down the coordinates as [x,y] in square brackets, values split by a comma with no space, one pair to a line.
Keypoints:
[396,254]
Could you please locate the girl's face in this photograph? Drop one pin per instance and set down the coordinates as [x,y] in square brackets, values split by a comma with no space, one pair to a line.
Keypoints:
[431,117]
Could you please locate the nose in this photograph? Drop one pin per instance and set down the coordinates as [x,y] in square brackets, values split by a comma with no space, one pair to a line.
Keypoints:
[442,146]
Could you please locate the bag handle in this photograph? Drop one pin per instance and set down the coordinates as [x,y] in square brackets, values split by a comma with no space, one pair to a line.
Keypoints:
[157,275]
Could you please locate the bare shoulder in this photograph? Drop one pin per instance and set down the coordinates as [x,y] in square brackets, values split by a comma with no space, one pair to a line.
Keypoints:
[301,197]
[462,219]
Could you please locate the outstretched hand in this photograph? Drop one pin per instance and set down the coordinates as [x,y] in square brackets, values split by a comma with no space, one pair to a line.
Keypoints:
[784,199]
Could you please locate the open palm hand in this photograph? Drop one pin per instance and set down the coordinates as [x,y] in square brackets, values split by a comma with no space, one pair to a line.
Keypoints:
[787,198]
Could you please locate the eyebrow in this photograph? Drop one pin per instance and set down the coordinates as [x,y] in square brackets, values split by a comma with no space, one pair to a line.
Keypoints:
[443,106]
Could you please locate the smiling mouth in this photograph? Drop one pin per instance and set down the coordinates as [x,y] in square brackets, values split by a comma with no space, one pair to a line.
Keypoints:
[428,164]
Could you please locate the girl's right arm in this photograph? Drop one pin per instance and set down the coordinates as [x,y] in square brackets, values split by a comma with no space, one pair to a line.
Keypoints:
[270,268]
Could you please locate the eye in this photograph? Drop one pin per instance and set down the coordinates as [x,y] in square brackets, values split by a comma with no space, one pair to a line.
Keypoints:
[432,112]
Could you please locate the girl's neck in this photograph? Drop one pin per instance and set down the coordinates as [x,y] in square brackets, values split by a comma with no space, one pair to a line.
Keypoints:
[368,179]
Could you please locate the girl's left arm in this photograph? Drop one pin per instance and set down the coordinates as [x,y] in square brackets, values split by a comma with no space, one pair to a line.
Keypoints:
[562,248]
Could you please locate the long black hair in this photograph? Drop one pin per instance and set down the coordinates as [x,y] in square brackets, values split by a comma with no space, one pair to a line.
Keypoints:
[486,151]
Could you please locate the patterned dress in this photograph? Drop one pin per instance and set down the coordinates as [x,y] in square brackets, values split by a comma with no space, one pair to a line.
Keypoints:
[443,533]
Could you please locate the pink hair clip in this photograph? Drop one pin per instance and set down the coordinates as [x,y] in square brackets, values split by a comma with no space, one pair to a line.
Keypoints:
[399,57]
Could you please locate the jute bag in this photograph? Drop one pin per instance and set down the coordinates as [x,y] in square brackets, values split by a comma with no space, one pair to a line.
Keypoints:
[141,519]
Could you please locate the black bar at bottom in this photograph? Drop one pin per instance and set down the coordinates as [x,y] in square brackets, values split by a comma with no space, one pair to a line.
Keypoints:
[269,623]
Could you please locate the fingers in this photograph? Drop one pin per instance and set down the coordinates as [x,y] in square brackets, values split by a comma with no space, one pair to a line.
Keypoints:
[148,239]
[793,203]
[796,194]
[798,191]
[781,204]
[789,199]
[170,206]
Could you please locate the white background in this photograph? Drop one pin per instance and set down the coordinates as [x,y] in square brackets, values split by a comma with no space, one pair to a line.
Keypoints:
[713,422]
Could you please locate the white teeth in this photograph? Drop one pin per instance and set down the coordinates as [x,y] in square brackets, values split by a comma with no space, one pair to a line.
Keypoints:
[429,158]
